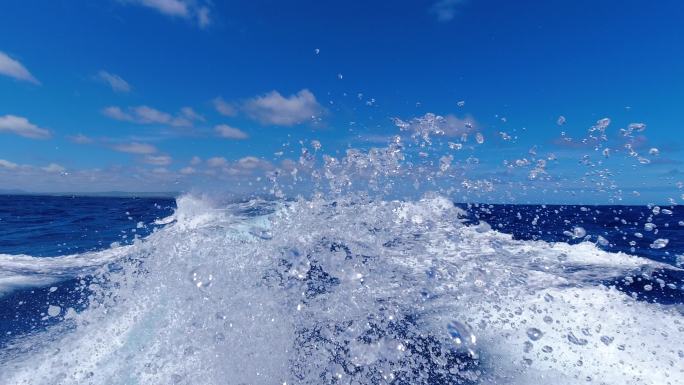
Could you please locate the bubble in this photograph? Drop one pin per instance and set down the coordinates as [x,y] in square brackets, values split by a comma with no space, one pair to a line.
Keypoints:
[201,277]
[561,120]
[534,334]
[607,340]
[479,138]
[461,103]
[547,349]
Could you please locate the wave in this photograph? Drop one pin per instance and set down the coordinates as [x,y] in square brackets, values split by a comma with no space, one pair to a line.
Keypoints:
[344,291]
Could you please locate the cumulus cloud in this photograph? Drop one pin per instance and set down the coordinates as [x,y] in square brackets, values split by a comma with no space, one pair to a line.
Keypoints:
[186,9]
[135,148]
[224,108]
[217,161]
[148,115]
[81,139]
[116,82]
[53,168]
[187,170]
[445,10]
[273,108]
[226,131]
[14,69]
[158,160]
[8,165]
[22,127]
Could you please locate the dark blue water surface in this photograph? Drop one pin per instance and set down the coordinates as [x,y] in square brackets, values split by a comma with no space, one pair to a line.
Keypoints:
[44,226]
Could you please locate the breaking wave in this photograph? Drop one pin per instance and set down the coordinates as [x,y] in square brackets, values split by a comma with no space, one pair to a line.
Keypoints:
[346,291]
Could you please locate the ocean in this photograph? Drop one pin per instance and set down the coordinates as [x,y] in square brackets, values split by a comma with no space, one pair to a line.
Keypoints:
[350,290]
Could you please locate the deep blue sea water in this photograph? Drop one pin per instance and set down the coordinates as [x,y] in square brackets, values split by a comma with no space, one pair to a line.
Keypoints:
[54,227]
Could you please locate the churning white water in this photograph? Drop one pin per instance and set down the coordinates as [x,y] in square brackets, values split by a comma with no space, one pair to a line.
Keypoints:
[352,291]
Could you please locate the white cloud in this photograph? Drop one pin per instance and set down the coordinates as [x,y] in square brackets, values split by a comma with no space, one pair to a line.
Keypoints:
[187,170]
[226,131]
[8,165]
[14,69]
[189,113]
[148,115]
[135,148]
[117,83]
[186,9]
[251,162]
[22,127]
[195,160]
[224,108]
[81,139]
[203,18]
[158,160]
[445,10]
[53,168]
[273,108]
[217,161]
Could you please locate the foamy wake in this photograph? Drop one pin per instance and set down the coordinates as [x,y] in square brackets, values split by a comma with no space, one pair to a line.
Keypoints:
[349,292]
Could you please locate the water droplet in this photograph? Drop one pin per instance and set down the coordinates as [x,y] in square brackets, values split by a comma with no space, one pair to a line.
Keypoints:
[659,243]
[548,319]
[534,334]
[547,349]
[527,346]
[462,337]
[579,232]
[54,310]
[576,340]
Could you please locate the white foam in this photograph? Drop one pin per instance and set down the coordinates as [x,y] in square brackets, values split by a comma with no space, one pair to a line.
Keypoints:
[270,315]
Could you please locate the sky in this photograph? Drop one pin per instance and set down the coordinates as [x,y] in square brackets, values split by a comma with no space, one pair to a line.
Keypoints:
[174,95]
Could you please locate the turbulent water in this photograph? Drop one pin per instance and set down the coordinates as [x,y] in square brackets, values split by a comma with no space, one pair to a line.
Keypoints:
[346,285]
[345,291]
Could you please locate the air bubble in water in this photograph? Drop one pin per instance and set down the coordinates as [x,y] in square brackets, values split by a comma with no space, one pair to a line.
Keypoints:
[561,120]
[534,334]
[201,277]
[479,138]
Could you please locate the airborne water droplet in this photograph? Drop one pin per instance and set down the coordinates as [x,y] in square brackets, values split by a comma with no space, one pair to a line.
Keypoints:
[534,334]
[462,337]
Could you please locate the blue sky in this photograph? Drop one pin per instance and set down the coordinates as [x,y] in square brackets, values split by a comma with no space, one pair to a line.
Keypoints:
[168,95]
